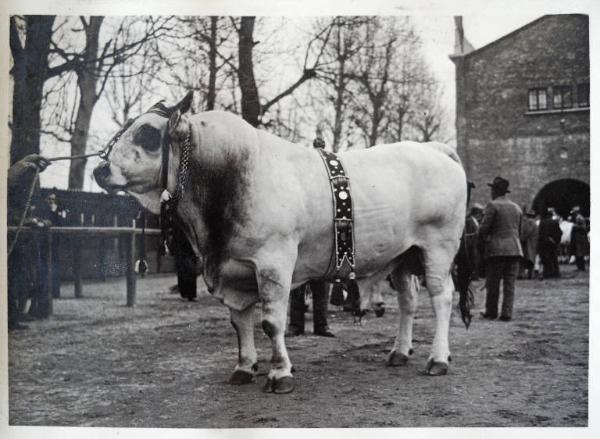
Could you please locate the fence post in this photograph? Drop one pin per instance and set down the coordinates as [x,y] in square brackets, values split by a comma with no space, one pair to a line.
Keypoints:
[76,242]
[50,273]
[130,266]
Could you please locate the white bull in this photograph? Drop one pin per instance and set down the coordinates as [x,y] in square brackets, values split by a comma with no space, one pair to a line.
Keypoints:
[259,211]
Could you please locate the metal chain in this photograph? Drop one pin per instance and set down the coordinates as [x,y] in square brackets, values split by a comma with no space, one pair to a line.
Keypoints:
[182,172]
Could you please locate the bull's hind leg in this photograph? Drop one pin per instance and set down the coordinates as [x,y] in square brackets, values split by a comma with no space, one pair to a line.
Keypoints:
[406,286]
[243,323]
[439,284]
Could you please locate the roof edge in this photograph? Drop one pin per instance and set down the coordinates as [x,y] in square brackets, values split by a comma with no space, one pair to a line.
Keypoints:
[510,34]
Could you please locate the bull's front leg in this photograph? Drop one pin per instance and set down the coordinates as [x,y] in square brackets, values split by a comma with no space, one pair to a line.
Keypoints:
[243,323]
[274,288]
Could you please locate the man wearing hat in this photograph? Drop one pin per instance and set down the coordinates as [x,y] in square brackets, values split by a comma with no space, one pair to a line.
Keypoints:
[500,230]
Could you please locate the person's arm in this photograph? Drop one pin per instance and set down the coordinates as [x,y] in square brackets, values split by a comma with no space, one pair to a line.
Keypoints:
[20,179]
[26,167]
[489,215]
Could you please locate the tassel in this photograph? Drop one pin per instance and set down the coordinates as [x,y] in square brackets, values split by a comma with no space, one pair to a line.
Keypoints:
[163,249]
[141,267]
[165,196]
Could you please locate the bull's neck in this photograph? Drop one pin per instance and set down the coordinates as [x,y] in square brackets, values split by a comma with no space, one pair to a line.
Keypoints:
[214,201]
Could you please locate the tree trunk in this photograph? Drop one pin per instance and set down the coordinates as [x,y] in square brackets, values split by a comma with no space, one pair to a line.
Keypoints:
[250,102]
[375,121]
[29,72]
[340,89]
[87,78]
[212,65]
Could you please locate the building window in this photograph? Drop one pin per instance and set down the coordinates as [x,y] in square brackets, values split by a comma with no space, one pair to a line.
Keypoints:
[562,97]
[537,99]
[583,95]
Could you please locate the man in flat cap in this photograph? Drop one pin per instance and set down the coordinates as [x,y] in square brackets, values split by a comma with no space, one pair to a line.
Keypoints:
[500,230]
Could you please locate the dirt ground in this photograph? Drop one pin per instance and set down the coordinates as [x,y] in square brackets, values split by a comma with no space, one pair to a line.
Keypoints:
[165,363]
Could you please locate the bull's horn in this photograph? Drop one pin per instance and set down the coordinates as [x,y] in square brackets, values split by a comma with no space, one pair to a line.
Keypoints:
[186,103]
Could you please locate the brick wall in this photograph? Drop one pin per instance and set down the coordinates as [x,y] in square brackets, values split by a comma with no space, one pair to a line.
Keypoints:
[495,133]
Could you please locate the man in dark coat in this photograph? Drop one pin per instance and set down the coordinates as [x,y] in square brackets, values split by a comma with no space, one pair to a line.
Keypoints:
[24,254]
[500,229]
[549,235]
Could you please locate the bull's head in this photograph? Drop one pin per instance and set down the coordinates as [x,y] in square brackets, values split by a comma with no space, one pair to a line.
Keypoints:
[134,161]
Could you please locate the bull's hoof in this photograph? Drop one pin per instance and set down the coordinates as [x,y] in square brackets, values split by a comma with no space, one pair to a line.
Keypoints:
[240,377]
[279,386]
[435,368]
[396,359]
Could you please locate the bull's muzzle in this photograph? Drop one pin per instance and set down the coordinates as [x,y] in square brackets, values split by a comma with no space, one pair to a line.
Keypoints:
[101,173]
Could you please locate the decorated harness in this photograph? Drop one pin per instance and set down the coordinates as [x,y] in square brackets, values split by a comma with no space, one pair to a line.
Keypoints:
[343,219]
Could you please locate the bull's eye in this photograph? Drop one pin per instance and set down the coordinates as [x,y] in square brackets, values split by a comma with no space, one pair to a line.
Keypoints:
[147,137]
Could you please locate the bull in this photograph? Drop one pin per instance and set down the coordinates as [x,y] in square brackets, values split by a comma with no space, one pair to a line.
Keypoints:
[259,210]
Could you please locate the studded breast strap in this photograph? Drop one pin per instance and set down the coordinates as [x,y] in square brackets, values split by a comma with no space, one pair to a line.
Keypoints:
[343,219]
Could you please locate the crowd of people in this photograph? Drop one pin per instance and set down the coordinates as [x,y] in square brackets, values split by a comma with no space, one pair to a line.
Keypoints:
[507,242]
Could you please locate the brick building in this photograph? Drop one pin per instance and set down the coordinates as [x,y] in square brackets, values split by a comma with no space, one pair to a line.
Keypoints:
[523,112]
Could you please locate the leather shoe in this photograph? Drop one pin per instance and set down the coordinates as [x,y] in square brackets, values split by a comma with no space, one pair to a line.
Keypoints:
[28,318]
[16,327]
[505,318]
[294,332]
[487,316]
[325,333]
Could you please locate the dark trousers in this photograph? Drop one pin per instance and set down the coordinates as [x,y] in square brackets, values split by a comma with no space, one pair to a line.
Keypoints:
[580,262]
[505,269]
[28,277]
[185,266]
[320,297]
[549,259]
[55,267]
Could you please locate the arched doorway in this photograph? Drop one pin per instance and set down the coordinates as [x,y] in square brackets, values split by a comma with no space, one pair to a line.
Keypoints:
[563,195]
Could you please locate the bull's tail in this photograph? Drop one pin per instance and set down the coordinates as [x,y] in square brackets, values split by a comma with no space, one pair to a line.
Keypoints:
[464,266]
[462,280]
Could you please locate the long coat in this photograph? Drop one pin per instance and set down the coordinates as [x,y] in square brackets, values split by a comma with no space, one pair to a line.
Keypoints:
[549,235]
[529,238]
[579,240]
[500,228]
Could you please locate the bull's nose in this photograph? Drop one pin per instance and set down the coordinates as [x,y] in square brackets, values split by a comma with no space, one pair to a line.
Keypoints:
[102,171]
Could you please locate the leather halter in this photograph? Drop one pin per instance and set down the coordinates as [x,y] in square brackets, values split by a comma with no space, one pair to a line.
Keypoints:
[343,218]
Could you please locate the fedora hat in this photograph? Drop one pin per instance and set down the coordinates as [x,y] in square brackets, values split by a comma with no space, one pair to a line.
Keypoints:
[501,184]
